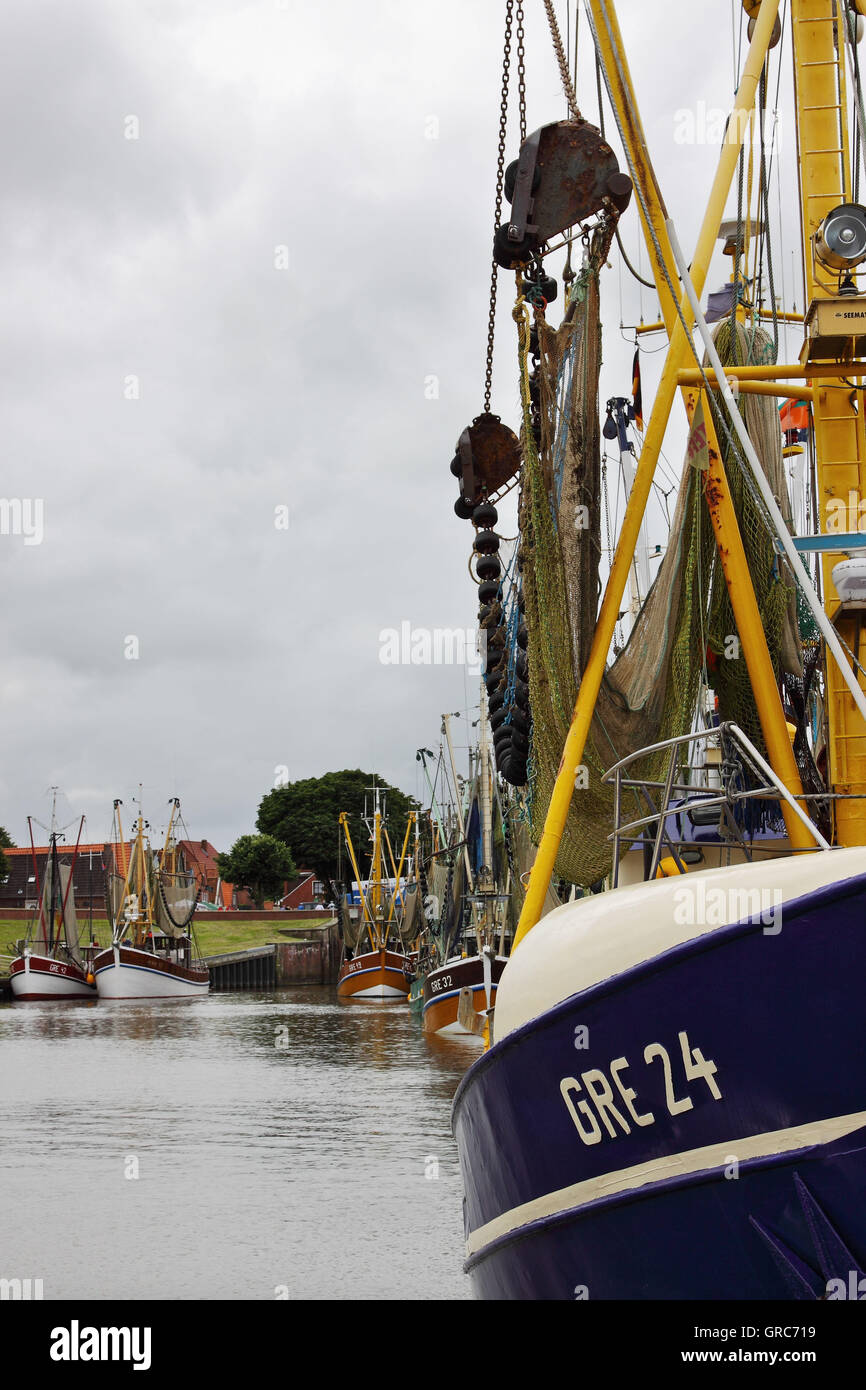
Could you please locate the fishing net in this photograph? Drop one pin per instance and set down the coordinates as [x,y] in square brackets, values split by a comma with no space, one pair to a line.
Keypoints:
[650,691]
[775,588]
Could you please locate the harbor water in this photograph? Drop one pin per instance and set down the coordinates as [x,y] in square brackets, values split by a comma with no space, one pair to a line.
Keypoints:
[245,1146]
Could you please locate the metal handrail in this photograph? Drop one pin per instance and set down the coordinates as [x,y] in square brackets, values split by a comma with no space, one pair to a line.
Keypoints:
[729,730]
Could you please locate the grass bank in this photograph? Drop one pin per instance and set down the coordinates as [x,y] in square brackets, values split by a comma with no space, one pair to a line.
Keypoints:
[215,935]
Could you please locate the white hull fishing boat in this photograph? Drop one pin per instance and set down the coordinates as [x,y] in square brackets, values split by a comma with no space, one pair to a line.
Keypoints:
[152,954]
[51,965]
[42,977]
[122,972]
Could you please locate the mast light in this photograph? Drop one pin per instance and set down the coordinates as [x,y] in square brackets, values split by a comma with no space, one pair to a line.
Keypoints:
[840,241]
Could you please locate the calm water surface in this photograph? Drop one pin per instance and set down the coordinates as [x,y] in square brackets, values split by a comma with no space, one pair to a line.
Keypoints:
[282,1141]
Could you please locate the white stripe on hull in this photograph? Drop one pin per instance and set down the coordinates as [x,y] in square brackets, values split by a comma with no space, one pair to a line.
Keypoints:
[678,1165]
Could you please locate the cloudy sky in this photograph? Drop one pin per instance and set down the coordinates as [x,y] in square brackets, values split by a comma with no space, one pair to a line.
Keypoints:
[231,259]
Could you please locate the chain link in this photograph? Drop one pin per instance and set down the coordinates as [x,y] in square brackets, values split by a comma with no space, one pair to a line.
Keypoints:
[500,179]
[567,86]
[521,72]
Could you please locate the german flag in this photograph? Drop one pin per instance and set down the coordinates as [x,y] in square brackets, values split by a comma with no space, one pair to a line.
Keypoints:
[636,411]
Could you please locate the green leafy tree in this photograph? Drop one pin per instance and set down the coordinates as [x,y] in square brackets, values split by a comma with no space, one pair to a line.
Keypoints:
[305,816]
[6,841]
[259,863]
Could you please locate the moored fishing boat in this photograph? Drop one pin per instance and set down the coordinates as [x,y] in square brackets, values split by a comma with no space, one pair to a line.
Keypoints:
[52,964]
[152,953]
[378,924]
[469,976]
[674,1102]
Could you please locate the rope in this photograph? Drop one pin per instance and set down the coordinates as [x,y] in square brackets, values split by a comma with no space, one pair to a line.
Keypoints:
[561,59]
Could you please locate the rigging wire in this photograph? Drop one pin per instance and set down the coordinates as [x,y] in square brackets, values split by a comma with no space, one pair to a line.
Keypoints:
[730,437]
[650,284]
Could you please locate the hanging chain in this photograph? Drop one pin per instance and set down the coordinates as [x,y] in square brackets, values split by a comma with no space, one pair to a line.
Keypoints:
[567,86]
[521,72]
[500,179]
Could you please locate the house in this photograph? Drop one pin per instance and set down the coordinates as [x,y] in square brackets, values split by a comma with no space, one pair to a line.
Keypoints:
[96,861]
[305,890]
[27,872]
[199,857]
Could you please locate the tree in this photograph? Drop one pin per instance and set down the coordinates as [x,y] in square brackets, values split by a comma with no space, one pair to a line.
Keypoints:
[305,816]
[259,863]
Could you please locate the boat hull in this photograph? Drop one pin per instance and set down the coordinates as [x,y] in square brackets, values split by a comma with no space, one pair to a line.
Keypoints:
[42,977]
[124,972]
[442,989]
[374,976]
[599,1163]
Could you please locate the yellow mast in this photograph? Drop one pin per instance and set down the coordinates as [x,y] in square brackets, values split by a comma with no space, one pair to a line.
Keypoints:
[398,871]
[732,555]
[167,847]
[840,443]
[344,821]
[376,871]
[677,356]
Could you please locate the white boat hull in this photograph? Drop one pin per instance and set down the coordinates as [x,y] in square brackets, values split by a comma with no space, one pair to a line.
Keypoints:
[42,977]
[125,973]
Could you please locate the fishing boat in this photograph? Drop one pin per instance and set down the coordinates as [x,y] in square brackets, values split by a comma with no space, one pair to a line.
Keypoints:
[52,964]
[152,901]
[460,989]
[378,920]
[673,1101]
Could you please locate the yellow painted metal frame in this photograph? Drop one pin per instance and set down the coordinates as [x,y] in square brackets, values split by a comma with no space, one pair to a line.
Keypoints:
[368,917]
[773,724]
[840,442]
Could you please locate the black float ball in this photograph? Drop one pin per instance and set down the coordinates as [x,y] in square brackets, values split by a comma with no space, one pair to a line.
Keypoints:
[486,543]
[488,567]
[485,514]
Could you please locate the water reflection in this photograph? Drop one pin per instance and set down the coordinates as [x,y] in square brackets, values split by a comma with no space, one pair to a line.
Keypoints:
[279,1139]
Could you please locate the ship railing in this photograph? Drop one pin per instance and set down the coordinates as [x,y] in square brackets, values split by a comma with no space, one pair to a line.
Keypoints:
[726,796]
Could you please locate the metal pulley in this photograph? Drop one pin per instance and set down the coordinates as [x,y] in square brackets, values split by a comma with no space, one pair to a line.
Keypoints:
[566,171]
[487,457]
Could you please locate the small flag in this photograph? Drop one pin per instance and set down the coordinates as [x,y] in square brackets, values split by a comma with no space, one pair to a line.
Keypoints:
[719,305]
[636,411]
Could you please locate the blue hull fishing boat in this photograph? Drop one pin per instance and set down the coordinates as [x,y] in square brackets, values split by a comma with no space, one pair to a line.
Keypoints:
[689,1111]
[672,1104]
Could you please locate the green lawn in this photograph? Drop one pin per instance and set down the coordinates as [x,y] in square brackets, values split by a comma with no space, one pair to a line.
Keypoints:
[215,935]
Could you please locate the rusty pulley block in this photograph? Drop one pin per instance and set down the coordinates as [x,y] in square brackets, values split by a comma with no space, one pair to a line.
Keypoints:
[487,457]
[566,171]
